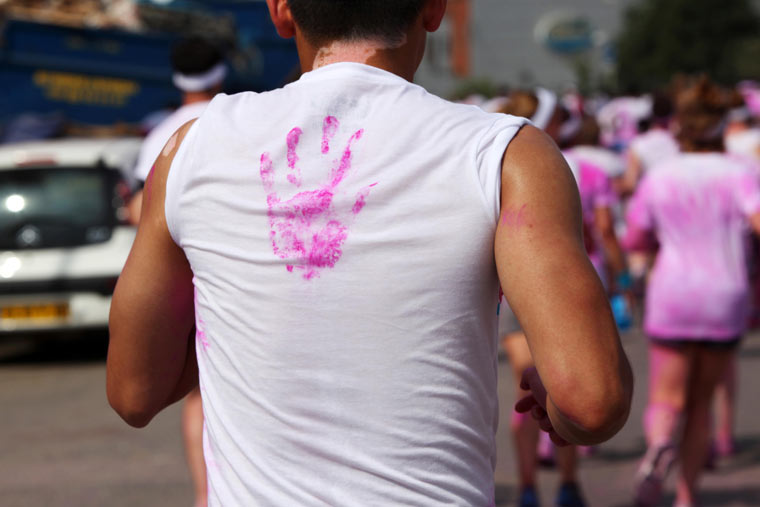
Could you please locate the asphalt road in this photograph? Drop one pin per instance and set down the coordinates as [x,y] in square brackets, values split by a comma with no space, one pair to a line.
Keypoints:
[61,445]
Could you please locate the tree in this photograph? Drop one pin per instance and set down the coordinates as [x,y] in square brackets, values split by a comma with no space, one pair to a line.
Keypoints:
[663,37]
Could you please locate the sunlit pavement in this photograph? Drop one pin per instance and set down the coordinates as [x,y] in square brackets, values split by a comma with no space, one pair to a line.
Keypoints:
[61,445]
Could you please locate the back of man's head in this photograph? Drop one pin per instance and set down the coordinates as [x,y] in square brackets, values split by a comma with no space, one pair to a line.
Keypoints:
[198,66]
[325,21]
[194,56]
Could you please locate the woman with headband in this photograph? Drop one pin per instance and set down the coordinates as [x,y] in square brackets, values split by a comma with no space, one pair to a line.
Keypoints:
[697,205]
[199,72]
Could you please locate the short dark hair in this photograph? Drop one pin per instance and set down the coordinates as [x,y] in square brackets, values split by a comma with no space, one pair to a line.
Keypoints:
[323,21]
[194,55]
[662,106]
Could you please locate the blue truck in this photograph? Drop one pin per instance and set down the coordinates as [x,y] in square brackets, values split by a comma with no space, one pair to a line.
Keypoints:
[110,76]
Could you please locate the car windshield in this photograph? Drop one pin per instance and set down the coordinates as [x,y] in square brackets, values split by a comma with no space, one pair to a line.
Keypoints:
[54,207]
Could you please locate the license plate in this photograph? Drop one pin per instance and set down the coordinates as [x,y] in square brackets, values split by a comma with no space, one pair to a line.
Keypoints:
[49,311]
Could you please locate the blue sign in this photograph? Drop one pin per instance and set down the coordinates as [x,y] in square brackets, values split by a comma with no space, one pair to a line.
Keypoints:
[565,33]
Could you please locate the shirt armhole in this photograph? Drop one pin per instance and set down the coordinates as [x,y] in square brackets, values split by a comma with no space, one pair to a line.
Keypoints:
[489,159]
[176,179]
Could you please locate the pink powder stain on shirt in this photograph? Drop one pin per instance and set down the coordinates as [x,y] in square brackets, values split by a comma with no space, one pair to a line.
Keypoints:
[208,453]
[307,227]
[294,136]
[329,128]
[200,335]
[345,161]
[361,198]
[267,176]
[595,192]
[200,325]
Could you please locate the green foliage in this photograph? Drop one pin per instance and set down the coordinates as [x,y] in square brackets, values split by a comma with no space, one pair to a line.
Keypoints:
[663,37]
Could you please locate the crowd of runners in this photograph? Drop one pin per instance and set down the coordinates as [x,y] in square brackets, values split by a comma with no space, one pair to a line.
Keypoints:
[351,369]
[670,189]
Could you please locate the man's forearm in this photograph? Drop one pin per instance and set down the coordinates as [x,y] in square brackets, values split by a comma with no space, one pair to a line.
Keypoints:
[188,380]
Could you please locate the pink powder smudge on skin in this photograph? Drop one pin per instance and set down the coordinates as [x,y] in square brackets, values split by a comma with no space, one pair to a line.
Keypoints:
[514,218]
[329,128]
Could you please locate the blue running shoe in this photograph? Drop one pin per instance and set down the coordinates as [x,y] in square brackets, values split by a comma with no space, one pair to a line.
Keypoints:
[528,497]
[569,495]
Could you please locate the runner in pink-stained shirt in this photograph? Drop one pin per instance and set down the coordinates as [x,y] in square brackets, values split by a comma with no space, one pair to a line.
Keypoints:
[698,205]
[597,200]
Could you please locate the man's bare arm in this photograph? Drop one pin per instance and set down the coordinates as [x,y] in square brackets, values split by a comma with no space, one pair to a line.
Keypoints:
[151,353]
[558,297]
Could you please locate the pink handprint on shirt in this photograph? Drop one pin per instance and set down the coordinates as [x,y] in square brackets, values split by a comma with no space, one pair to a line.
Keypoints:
[306,228]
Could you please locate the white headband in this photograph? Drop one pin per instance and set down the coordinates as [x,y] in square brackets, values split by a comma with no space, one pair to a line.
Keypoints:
[571,127]
[200,82]
[547,103]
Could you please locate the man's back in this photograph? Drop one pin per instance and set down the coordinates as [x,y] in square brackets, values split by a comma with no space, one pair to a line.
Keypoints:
[340,232]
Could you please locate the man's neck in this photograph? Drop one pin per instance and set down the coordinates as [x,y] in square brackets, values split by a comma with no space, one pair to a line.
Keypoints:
[193,97]
[401,59]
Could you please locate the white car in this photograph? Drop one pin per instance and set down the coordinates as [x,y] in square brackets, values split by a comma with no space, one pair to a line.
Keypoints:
[64,235]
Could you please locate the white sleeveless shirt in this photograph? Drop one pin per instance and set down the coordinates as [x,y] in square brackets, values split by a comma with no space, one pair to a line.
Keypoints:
[340,232]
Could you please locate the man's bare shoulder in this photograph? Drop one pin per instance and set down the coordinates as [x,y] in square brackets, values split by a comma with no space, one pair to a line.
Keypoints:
[166,157]
[155,184]
[532,148]
[533,161]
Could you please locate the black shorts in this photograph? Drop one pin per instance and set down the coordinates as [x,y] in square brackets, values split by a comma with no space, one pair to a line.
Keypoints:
[713,344]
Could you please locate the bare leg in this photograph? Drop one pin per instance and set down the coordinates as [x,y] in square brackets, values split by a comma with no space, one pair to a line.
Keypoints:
[708,367]
[567,462]
[725,408]
[668,380]
[192,432]
[524,428]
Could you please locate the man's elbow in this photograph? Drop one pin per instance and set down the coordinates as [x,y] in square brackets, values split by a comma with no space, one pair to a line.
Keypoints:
[601,413]
[132,408]
[605,421]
